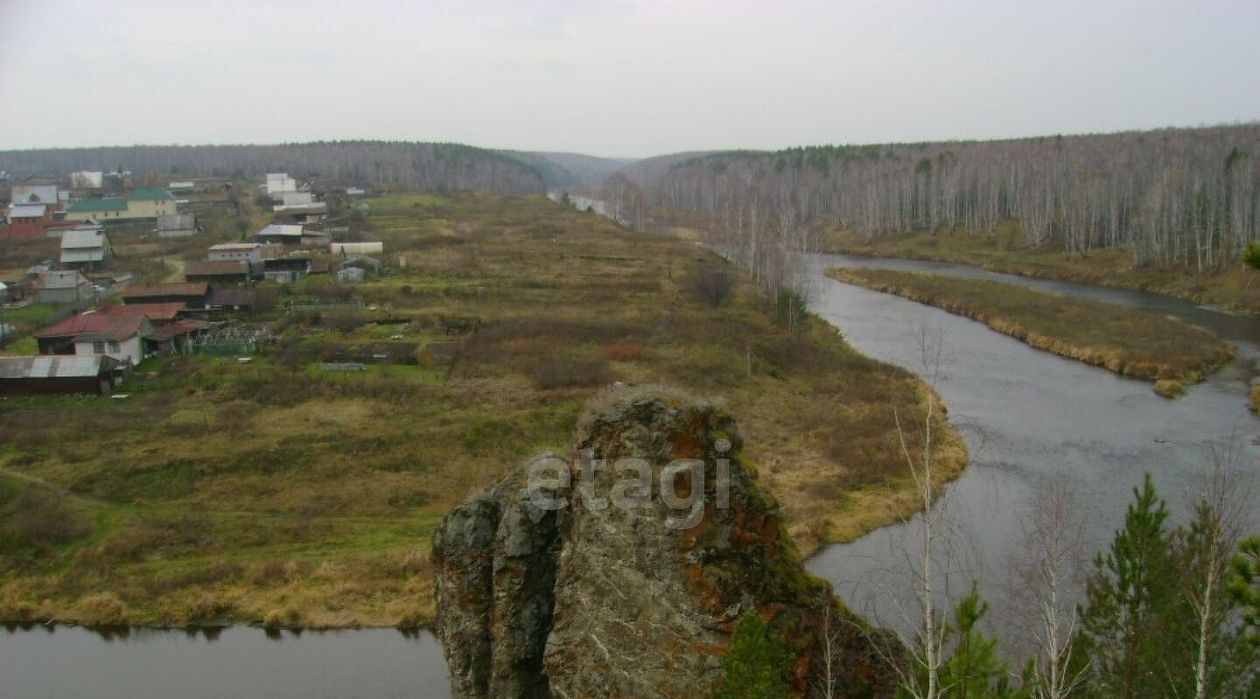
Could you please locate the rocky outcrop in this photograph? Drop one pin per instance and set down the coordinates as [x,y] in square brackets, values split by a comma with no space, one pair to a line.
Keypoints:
[620,570]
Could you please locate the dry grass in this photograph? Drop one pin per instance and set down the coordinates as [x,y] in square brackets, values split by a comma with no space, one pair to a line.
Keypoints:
[1129,342]
[277,492]
[1005,250]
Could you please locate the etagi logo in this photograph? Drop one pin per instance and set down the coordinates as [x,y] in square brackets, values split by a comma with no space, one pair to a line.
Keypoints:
[681,487]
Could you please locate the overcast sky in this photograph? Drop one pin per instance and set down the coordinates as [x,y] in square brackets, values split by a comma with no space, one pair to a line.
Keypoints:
[632,78]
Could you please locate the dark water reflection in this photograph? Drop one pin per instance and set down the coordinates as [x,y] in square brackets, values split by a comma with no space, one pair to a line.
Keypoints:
[68,661]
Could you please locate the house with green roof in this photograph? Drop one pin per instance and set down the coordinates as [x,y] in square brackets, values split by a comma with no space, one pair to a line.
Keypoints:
[140,203]
[97,209]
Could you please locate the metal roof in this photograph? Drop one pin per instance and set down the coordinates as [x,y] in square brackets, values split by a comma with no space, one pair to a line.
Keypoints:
[152,311]
[165,332]
[280,230]
[34,193]
[234,247]
[195,268]
[88,206]
[105,326]
[27,211]
[51,366]
[92,238]
[167,289]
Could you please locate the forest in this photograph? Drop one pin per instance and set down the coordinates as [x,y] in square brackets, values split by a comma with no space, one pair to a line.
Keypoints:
[1184,198]
[407,165]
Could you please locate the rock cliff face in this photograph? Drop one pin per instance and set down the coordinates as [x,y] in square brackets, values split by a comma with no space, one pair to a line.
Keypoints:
[620,570]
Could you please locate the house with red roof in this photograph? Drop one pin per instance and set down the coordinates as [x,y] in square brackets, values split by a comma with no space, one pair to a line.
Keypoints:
[116,335]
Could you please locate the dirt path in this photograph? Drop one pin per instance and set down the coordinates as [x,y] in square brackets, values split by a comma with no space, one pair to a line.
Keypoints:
[48,485]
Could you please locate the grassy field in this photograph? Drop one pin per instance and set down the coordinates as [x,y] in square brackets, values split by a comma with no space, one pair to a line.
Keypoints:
[281,492]
[1005,250]
[1129,342]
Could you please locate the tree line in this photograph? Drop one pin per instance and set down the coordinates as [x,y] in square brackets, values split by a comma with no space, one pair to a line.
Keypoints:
[1173,197]
[417,166]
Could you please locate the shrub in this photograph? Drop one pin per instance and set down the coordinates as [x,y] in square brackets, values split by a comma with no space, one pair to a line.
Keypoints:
[757,664]
[35,519]
[713,283]
[560,373]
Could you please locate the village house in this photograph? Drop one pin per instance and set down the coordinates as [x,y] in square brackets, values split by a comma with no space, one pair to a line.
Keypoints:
[287,235]
[97,209]
[192,294]
[157,313]
[286,270]
[141,203]
[58,375]
[253,253]
[150,202]
[279,182]
[66,286]
[85,248]
[233,299]
[353,249]
[34,194]
[218,271]
[27,221]
[173,338]
[58,229]
[117,335]
[294,198]
[171,333]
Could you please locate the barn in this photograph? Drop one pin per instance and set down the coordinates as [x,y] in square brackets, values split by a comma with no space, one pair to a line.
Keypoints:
[58,374]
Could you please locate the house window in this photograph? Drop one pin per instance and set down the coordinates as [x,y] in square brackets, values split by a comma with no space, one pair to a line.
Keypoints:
[113,347]
[98,348]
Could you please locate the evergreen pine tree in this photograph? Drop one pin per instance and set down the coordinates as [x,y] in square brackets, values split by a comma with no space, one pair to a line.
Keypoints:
[757,664]
[1127,599]
[974,669]
[1244,586]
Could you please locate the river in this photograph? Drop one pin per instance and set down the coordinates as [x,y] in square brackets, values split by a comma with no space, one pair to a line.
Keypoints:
[65,661]
[1027,415]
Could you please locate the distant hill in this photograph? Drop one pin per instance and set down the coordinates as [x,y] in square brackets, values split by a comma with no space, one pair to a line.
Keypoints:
[562,170]
[427,166]
[649,169]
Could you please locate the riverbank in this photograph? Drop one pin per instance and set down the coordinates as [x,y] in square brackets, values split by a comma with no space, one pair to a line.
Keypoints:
[287,493]
[1006,251]
[1128,342]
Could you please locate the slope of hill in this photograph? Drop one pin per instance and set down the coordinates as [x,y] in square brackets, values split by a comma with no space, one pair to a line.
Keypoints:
[424,166]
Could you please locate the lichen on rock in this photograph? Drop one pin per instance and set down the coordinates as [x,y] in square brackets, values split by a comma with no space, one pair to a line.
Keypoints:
[590,584]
